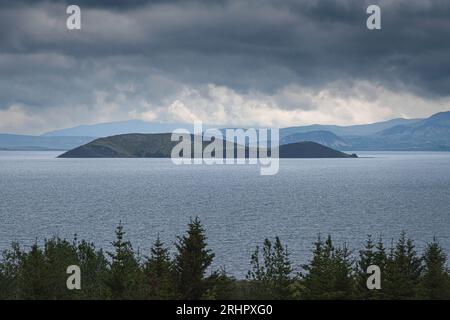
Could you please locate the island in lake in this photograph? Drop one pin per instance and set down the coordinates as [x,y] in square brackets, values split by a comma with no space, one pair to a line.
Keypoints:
[160,146]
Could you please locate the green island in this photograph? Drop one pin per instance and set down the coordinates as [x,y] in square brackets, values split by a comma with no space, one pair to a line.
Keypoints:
[159,145]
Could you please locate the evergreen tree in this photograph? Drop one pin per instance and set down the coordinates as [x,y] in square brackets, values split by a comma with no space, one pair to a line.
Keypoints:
[329,274]
[94,269]
[58,255]
[221,287]
[159,272]
[125,279]
[366,258]
[403,270]
[435,280]
[372,254]
[9,272]
[272,277]
[342,266]
[191,261]
[40,273]
[33,281]
[316,280]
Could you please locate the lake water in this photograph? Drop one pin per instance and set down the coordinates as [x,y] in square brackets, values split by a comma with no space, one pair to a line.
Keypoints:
[380,194]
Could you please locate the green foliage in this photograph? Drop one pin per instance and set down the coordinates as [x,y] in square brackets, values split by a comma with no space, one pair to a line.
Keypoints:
[159,272]
[221,286]
[39,272]
[125,279]
[435,282]
[329,274]
[271,278]
[403,270]
[372,254]
[191,261]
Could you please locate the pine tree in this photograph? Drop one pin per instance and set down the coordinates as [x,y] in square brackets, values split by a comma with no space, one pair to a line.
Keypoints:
[329,274]
[272,277]
[282,271]
[58,255]
[33,281]
[380,257]
[366,258]
[342,266]
[435,280]
[403,270]
[94,270]
[9,272]
[159,272]
[372,254]
[316,280]
[191,262]
[221,286]
[125,278]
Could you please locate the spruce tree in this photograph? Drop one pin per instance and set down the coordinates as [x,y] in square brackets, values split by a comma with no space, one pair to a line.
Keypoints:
[58,255]
[372,254]
[366,258]
[222,287]
[342,268]
[33,277]
[94,270]
[9,272]
[272,277]
[191,261]
[159,272]
[435,281]
[316,280]
[403,270]
[125,279]
[329,274]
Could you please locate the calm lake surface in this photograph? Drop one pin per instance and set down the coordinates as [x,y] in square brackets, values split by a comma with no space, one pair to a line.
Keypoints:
[380,194]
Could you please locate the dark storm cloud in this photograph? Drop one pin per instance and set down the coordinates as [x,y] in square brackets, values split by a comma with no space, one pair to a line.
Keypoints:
[245,45]
[310,41]
[122,4]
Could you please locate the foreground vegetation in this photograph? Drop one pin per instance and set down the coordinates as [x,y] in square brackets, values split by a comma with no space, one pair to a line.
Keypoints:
[333,272]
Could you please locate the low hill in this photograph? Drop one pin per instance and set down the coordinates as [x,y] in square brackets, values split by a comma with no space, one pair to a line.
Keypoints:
[308,149]
[160,146]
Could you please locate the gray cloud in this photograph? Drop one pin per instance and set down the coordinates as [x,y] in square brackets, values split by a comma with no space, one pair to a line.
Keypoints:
[158,48]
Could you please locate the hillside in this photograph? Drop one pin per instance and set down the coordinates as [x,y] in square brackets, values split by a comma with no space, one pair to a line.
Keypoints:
[431,134]
[308,149]
[160,146]
[352,130]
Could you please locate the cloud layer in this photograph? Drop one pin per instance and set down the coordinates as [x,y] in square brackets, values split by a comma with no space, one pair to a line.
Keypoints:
[229,62]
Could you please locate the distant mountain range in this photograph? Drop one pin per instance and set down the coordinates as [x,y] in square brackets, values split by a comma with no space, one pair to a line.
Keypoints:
[430,134]
[120,127]
[38,143]
[354,130]
[160,146]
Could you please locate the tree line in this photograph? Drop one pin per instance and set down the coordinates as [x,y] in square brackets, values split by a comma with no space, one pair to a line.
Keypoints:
[333,272]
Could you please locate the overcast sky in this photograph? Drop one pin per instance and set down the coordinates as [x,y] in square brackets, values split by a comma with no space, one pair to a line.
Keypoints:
[260,62]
